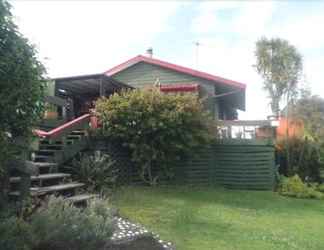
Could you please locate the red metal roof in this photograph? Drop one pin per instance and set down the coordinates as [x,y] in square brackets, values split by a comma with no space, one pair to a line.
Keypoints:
[179,88]
[174,67]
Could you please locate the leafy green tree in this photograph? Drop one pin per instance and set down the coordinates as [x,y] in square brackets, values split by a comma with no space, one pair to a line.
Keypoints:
[280,65]
[21,86]
[156,127]
[310,109]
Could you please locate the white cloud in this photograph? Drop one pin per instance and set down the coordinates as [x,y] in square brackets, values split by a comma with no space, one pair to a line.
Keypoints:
[304,31]
[253,18]
[314,74]
[205,23]
[250,18]
[212,6]
[89,37]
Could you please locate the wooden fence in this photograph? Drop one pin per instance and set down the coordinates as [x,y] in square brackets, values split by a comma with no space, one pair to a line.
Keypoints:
[233,163]
[240,164]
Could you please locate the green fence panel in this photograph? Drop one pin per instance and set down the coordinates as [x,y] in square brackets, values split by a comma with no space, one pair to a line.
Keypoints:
[237,164]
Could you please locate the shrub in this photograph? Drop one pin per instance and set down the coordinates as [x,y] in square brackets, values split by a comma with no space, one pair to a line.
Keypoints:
[22,86]
[305,159]
[320,188]
[15,234]
[59,225]
[157,128]
[97,170]
[294,187]
[22,78]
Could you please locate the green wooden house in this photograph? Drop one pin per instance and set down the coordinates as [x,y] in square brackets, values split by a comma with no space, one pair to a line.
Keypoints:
[223,97]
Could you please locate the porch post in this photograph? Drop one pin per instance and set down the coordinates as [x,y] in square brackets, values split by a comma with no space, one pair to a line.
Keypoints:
[102,87]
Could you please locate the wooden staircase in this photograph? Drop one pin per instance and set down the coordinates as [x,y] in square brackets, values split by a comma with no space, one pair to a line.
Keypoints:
[55,148]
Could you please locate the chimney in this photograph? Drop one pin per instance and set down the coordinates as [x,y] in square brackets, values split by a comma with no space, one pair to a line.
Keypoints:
[149,52]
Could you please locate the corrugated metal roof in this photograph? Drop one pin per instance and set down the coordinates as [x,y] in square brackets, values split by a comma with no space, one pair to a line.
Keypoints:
[178,68]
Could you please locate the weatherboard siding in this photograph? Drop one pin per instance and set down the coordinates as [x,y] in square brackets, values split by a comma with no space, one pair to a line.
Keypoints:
[143,74]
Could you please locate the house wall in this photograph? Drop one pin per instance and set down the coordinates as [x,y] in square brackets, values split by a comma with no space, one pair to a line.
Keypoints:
[143,74]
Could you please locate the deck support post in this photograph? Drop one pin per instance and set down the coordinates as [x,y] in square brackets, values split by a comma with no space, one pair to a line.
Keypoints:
[102,87]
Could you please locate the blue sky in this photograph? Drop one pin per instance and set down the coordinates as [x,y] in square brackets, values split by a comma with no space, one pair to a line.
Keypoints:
[92,36]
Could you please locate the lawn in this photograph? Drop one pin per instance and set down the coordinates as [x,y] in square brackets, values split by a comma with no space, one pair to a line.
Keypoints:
[215,218]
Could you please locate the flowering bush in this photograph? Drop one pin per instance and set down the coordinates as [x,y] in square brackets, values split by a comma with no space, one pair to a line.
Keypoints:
[156,127]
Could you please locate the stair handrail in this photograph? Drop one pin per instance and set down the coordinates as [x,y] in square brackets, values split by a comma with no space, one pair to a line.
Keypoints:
[63,129]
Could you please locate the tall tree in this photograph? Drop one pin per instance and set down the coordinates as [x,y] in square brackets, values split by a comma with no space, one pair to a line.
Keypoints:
[280,65]
[21,86]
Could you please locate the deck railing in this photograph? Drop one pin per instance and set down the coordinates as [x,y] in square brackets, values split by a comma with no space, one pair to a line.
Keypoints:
[81,122]
[246,129]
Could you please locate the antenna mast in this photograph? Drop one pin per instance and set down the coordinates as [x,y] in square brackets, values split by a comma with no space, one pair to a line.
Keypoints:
[197,44]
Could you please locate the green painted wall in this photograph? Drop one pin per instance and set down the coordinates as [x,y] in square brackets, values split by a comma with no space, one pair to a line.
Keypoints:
[144,74]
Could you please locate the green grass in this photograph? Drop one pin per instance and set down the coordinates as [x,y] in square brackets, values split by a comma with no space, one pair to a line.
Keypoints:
[215,218]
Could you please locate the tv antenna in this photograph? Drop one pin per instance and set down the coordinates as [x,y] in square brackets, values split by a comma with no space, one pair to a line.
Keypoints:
[197,44]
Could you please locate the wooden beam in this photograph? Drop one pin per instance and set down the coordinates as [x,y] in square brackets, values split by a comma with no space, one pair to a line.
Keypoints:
[58,101]
[260,123]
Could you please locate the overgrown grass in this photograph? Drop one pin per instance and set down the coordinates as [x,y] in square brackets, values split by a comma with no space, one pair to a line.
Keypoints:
[216,218]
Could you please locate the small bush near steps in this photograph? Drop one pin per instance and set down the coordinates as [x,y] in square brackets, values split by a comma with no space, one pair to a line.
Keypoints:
[294,187]
[59,225]
[98,171]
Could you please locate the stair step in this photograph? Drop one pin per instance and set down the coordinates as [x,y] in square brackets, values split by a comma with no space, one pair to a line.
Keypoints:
[50,189]
[46,152]
[45,164]
[74,136]
[81,198]
[42,158]
[76,132]
[47,142]
[41,177]
[46,167]
[51,146]
[79,130]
